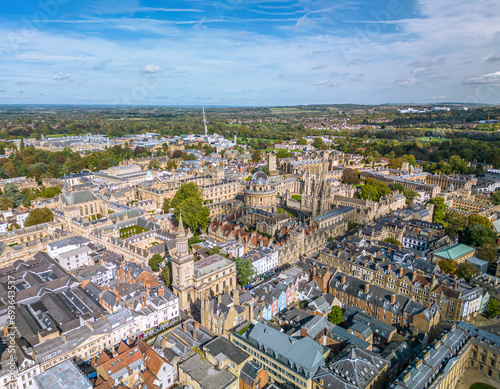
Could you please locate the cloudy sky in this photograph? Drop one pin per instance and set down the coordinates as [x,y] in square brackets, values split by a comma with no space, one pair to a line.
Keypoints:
[249,52]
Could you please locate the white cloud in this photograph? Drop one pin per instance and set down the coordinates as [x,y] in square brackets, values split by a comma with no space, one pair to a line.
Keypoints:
[493,58]
[491,78]
[62,77]
[151,68]
[407,82]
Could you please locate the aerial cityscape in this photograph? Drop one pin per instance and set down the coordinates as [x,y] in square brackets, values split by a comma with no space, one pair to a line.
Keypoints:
[250,195]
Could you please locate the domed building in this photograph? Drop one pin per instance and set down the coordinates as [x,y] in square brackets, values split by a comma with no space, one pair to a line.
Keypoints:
[260,194]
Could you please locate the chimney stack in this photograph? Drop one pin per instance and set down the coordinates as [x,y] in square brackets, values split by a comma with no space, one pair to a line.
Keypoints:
[400,272]
[196,325]
[414,278]
[393,299]
[367,288]
[343,279]
[389,267]
[184,327]
[194,334]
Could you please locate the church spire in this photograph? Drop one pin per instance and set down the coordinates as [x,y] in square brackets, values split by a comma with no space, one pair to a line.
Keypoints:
[66,185]
[181,233]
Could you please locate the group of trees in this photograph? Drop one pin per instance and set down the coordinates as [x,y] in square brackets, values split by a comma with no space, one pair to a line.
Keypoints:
[474,230]
[464,270]
[245,271]
[39,216]
[188,201]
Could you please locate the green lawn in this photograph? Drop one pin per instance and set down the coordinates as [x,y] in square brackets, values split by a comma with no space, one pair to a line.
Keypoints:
[127,232]
[290,213]
[59,135]
[427,139]
[480,385]
[297,197]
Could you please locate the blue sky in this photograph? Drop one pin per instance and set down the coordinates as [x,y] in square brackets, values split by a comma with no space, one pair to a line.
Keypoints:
[249,52]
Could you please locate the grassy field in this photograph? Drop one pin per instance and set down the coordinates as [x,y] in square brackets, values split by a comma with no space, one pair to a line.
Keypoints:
[290,213]
[480,385]
[127,232]
[297,197]
[427,139]
[59,135]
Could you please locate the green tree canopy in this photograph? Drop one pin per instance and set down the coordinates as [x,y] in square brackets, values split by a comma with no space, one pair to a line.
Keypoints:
[466,270]
[301,142]
[495,197]
[478,234]
[493,308]
[439,208]
[397,187]
[154,262]
[39,216]
[282,154]
[410,195]
[318,142]
[455,223]
[166,275]
[336,316]
[350,176]
[257,156]
[448,266]
[188,200]
[478,219]
[245,270]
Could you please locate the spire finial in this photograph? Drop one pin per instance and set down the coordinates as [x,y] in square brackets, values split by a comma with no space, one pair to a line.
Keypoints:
[181,232]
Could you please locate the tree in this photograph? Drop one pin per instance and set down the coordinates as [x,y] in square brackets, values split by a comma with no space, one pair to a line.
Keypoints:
[256,156]
[495,197]
[478,219]
[9,169]
[318,142]
[488,252]
[6,203]
[282,154]
[301,142]
[493,308]
[188,200]
[245,270]
[477,235]
[439,208]
[166,204]
[350,176]
[410,195]
[455,223]
[154,164]
[165,275]
[466,270]
[154,262]
[39,216]
[448,266]
[397,187]
[177,154]
[336,316]
[369,192]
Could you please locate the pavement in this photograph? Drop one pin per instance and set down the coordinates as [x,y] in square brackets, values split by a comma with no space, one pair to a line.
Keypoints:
[472,376]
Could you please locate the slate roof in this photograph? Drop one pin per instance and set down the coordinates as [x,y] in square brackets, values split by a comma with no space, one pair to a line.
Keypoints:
[223,346]
[78,197]
[304,356]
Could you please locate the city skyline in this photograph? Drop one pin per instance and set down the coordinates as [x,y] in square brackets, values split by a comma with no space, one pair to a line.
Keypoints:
[257,53]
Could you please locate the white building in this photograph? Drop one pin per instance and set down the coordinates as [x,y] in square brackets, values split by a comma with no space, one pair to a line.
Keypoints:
[233,247]
[263,259]
[75,258]
[20,218]
[54,249]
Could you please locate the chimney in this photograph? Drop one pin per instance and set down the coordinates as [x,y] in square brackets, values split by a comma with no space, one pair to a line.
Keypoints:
[343,279]
[196,325]
[400,272]
[389,267]
[161,291]
[367,288]
[194,334]
[416,256]
[393,298]
[414,277]
[184,327]
[147,290]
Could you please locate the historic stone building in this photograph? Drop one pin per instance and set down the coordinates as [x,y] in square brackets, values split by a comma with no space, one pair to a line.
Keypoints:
[260,194]
[192,282]
[82,204]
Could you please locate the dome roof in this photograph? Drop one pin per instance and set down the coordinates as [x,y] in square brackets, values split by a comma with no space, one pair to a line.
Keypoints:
[260,178]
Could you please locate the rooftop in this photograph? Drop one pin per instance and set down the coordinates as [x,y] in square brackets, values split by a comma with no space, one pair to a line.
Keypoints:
[62,376]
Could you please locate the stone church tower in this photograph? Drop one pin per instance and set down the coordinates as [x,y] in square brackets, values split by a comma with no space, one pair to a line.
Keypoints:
[183,269]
